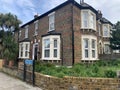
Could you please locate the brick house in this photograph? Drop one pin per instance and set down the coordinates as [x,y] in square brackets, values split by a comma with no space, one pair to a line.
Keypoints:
[69,33]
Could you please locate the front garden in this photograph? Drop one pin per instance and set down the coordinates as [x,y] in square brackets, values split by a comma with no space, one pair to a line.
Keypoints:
[101,68]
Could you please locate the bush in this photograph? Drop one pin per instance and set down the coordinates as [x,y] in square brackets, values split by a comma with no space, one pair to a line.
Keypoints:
[110,74]
[60,75]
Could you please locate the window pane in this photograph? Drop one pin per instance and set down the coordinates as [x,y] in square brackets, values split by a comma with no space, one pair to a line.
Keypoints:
[93,53]
[85,19]
[99,30]
[86,43]
[26,53]
[47,53]
[92,21]
[21,53]
[26,32]
[47,43]
[107,49]
[86,53]
[93,43]
[55,52]
[55,43]
[51,26]
[26,47]
[105,30]
[51,22]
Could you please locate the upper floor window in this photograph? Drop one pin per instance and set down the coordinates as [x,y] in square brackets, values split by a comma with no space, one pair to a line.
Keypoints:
[99,29]
[26,32]
[105,31]
[36,27]
[52,21]
[88,19]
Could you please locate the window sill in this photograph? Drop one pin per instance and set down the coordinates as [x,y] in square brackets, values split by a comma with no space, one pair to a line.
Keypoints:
[50,59]
[23,57]
[87,59]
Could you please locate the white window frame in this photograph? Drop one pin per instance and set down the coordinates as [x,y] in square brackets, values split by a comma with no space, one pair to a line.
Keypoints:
[91,22]
[26,31]
[99,29]
[51,21]
[108,30]
[23,44]
[90,38]
[36,27]
[51,38]
[107,43]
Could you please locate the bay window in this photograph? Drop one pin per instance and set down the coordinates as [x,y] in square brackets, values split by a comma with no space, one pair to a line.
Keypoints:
[89,47]
[51,47]
[24,48]
[47,48]
[88,20]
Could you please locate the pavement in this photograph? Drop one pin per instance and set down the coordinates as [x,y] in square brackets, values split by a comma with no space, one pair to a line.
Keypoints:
[10,83]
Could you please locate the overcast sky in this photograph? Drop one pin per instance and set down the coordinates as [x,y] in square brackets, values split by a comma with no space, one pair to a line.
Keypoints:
[26,9]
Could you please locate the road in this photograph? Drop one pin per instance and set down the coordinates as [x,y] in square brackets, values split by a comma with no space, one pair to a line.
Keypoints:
[10,83]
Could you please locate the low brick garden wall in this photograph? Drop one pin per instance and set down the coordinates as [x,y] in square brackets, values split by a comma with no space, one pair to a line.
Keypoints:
[71,83]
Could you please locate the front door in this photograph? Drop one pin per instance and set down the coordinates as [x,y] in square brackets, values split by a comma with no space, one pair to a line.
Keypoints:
[35,50]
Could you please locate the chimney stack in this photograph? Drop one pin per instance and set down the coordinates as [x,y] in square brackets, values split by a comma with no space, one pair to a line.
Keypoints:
[36,15]
[99,14]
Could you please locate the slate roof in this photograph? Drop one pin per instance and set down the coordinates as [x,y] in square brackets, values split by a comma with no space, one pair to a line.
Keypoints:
[105,21]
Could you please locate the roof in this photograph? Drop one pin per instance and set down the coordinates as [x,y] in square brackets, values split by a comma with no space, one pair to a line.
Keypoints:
[105,21]
[81,6]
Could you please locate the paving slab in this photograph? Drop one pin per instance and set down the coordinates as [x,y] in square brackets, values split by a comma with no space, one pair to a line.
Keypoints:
[10,83]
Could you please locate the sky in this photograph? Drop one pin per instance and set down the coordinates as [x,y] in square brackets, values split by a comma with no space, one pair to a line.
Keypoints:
[26,9]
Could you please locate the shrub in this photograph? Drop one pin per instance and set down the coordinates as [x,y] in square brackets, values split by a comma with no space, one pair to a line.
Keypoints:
[110,74]
[60,75]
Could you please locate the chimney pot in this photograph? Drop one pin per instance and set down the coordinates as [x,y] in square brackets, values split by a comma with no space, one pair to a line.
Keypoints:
[35,16]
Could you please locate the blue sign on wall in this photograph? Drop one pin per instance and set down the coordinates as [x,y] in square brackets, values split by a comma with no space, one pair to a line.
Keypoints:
[29,62]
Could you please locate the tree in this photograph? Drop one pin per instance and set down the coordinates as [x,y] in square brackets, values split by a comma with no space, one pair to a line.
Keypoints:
[115,39]
[9,22]
[8,46]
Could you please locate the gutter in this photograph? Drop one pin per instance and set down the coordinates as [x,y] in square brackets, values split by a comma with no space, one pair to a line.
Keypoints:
[72,37]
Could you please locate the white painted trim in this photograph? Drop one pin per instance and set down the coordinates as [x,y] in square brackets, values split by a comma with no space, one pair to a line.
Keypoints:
[107,43]
[89,24]
[24,49]
[51,13]
[51,37]
[108,28]
[26,31]
[53,21]
[89,37]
